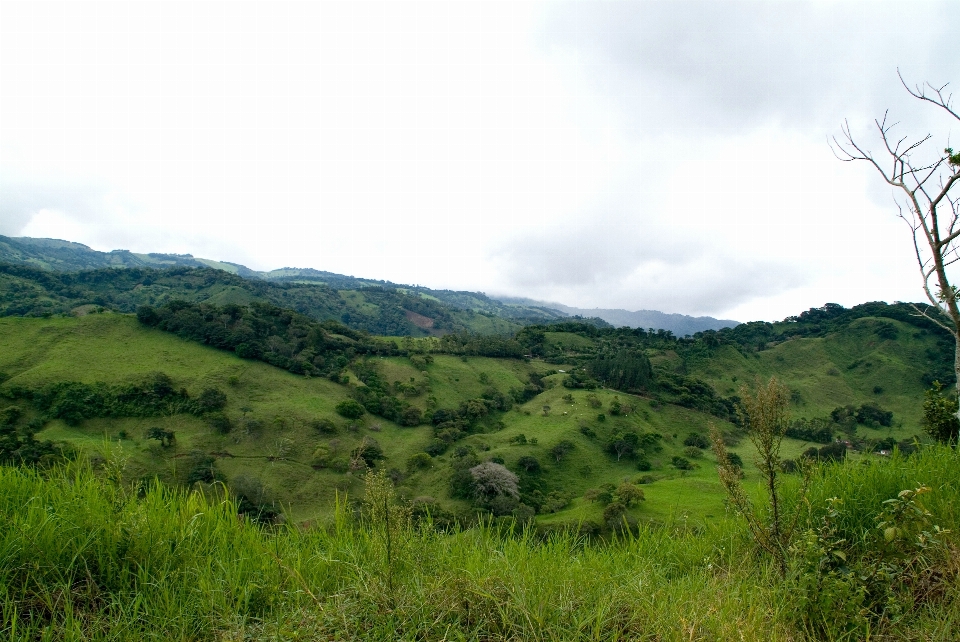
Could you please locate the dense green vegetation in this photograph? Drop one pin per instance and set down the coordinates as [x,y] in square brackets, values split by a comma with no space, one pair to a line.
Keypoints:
[430,411]
[29,288]
[495,456]
[90,555]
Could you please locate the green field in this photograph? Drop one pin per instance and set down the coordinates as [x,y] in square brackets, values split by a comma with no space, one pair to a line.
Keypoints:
[273,411]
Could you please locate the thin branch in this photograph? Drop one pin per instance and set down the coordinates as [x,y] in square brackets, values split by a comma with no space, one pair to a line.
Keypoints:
[920,94]
[923,314]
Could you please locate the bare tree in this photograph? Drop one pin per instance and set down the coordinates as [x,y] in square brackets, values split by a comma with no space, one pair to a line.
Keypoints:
[924,184]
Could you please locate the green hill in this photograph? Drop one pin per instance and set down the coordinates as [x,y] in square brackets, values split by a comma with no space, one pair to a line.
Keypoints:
[290,450]
[49,276]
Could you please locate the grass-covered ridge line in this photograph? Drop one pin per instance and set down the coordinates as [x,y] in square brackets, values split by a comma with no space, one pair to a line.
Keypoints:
[88,556]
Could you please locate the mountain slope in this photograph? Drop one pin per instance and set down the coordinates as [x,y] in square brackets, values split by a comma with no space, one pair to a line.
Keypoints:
[52,254]
[287,438]
[680,325]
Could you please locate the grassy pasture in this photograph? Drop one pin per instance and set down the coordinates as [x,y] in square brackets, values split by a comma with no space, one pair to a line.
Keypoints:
[86,558]
[280,406]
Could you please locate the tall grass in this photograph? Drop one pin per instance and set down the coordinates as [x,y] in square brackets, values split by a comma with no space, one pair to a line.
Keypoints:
[84,558]
[865,484]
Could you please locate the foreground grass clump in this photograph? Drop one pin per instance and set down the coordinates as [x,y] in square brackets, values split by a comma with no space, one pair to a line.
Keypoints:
[83,556]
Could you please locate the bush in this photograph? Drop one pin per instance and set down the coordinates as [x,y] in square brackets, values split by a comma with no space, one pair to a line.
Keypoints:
[492,481]
[613,513]
[697,440]
[211,400]
[220,423]
[369,451]
[201,468]
[693,452]
[529,464]
[411,417]
[419,461]
[321,457]
[681,463]
[350,409]
[939,416]
[253,498]
[628,494]
[324,426]
[837,451]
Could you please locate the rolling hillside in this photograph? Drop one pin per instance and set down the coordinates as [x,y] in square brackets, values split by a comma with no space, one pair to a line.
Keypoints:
[472,311]
[290,449]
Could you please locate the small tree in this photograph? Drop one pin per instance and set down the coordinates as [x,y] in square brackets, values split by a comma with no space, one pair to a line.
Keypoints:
[529,464]
[349,409]
[940,416]
[928,203]
[560,450]
[629,494]
[763,414]
[390,522]
[491,480]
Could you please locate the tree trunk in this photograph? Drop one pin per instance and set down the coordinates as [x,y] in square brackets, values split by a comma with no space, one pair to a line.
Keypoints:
[956,369]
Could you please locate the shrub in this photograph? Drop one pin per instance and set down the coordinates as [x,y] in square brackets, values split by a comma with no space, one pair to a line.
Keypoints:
[220,422]
[628,494]
[369,451]
[940,415]
[321,457]
[560,450]
[419,461]
[411,417]
[696,440]
[350,409]
[693,452]
[529,464]
[491,481]
[202,468]
[211,400]
[613,513]
[681,463]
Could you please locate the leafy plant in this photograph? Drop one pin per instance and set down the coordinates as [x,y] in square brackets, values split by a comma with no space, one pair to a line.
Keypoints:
[763,415]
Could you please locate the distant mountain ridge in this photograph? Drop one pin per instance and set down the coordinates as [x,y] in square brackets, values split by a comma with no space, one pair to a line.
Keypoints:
[66,256]
[680,324]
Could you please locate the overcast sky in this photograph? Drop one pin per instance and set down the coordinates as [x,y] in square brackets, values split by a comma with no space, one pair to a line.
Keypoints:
[658,155]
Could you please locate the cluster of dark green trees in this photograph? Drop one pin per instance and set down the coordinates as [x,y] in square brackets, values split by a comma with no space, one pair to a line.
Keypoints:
[261,331]
[17,442]
[29,291]
[153,396]
[842,419]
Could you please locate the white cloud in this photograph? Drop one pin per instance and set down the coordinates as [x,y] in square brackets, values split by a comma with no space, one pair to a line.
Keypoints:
[624,154]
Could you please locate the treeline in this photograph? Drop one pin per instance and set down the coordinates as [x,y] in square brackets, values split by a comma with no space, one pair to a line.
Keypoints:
[618,360]
[153,396]
[841,420]
[278,336]
[818,322]
[18,444]
[29,291]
